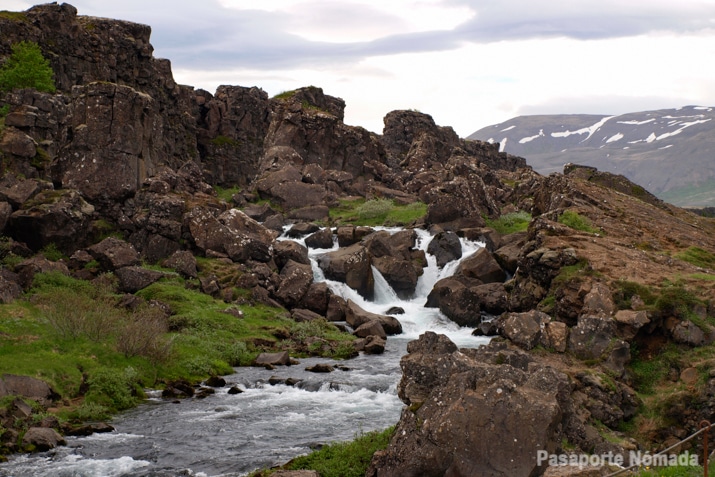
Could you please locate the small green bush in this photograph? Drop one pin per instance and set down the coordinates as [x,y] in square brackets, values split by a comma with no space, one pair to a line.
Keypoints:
[576,221]
[27,68]
[374,209]
[90,411]
[112,388]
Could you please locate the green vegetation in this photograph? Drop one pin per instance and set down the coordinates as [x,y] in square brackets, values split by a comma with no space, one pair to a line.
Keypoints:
[510,223]
[285,94]
[224,141]
[376,212]
[226,193]
[698,257]
[341,459]
[648,371]
[26,68]
[73,334]
[577,221]
[626,291]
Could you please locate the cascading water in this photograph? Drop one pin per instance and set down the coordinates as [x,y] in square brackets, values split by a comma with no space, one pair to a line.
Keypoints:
[231,435]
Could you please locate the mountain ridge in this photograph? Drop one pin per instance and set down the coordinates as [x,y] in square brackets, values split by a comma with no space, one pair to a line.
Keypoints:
[677,145]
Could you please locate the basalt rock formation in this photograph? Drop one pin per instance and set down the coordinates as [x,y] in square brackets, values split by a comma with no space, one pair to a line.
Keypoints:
[603,271]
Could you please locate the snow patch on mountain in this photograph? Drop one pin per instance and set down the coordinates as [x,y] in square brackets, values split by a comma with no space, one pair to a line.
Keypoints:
[524,140]
[587,130]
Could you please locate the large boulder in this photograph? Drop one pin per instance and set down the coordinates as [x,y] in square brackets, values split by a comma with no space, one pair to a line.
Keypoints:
[471,412]
[356,317]
[296,279]
[42,439]
[350,265]
[287,250]
[482,266]
[445,246]
[61,217]
[133,279]
[232,233]
[459,302]
[27,387]
[323,238]
[113,253]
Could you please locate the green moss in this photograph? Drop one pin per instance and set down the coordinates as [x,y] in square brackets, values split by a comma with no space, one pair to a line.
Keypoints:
[510,223]
[41,160]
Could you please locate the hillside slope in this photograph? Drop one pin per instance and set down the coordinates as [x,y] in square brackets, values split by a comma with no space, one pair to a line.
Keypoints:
[670,152]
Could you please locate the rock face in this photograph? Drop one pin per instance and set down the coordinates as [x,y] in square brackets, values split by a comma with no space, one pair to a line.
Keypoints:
[456,398]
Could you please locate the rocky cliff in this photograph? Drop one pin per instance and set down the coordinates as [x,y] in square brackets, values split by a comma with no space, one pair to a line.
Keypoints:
[604,277]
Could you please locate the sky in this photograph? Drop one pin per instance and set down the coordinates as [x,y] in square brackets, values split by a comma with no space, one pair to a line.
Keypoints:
[467,63]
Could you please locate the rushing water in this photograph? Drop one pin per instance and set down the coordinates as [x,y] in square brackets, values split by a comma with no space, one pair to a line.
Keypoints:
[231,435]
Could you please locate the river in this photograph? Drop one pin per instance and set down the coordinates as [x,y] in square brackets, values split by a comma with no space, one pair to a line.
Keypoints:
[227,435]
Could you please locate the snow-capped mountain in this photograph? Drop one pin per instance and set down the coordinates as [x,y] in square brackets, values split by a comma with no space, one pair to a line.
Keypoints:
[670,152]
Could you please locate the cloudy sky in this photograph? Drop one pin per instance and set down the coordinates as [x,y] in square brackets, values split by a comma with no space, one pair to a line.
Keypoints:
[468,63]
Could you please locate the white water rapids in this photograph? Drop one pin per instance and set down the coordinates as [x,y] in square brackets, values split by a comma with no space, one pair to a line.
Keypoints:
[231,435]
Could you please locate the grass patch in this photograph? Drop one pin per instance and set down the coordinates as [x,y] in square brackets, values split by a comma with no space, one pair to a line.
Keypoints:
[226,193]
[376,212]
[285,94]
[341,459]
[648,372]
[577,221]
[510,223]
[698,257]
[570,272]
[625,291]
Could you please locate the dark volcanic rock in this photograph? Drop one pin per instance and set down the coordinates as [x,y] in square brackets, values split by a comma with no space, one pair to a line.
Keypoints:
[445,246]
[482,266]
[296,279]
[112,253]
[350,265]
[133,279]
[62,218]
[456,398]
[320,239]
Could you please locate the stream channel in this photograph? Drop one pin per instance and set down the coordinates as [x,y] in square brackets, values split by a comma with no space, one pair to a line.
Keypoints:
[231,435]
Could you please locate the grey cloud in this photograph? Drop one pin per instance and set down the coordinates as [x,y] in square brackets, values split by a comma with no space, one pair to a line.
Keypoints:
[208,36]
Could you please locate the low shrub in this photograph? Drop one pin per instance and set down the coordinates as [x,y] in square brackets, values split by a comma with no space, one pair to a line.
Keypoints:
[113,388]
[576,221]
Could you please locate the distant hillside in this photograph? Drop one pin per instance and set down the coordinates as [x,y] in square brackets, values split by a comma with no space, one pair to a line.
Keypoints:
[670,152]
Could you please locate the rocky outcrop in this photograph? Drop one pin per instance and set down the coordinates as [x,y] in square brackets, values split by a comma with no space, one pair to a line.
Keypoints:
[455,398]
[350,265]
